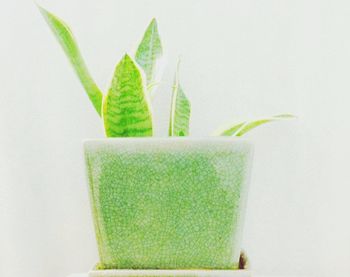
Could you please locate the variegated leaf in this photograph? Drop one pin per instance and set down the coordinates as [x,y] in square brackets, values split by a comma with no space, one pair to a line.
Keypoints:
[149,53]
[66,39]
[180,111]
[126,111]
[243,127]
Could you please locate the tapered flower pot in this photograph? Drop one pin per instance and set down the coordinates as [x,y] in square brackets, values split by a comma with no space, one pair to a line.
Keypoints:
[172,203]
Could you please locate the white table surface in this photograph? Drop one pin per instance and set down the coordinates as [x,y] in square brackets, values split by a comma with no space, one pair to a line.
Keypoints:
[254,275]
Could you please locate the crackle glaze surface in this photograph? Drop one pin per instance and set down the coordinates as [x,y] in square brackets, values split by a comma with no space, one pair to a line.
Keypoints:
[168,203]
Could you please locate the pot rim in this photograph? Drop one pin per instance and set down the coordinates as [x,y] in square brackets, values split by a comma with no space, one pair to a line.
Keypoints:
[168,139]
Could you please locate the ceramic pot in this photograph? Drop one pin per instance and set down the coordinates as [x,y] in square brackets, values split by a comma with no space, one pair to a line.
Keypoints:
[168,273]
[168,203]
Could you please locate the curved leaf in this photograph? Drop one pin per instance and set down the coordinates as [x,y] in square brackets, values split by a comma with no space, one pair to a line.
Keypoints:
[232,130]
[149,53]
[242,128]
[180,110]
[126,112]
[70,47]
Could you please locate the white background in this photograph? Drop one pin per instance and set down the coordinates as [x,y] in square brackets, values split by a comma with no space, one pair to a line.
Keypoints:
[240,59]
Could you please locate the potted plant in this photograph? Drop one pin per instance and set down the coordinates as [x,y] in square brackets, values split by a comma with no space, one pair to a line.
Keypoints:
[161,206]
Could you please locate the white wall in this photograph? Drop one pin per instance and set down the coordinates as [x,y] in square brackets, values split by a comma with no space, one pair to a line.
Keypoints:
[240,59]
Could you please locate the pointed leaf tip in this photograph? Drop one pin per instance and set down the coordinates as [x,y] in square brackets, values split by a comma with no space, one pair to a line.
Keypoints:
[40,8]
[153,21]
[287,115]
[128,58]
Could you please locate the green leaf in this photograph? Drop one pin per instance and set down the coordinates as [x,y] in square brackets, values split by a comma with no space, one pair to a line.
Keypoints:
[232,130]
[242,128]
[180,110]
[70,47]
[126,111]
[149,53]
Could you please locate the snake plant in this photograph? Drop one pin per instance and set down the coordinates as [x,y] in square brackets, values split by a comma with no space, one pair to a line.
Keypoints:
[126,108]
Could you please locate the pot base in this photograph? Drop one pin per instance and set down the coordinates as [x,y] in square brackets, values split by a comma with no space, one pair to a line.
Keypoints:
[169,273]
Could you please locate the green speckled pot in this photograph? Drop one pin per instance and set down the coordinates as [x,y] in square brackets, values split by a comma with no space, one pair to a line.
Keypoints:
[168,203]
[168,273]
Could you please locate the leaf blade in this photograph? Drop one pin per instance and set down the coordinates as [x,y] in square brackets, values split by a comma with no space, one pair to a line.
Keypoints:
[232,130]
[180,111]
[149,53]
[244,127]
[126,111]
[67,41]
